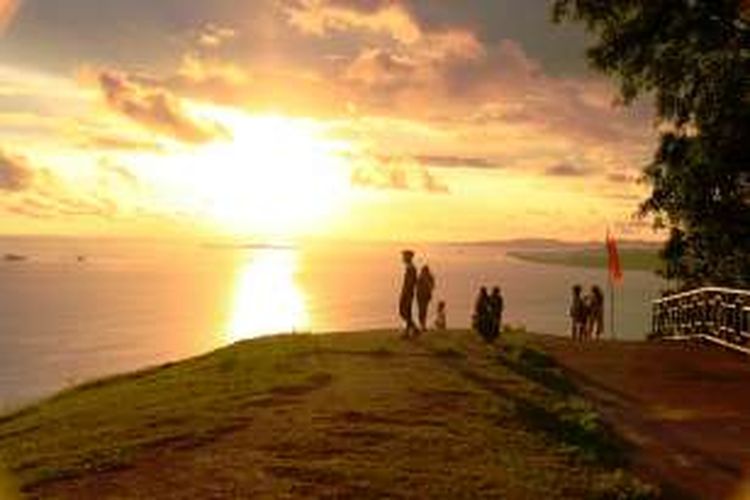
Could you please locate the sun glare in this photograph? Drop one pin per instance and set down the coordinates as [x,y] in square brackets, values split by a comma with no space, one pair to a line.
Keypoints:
[267,298]
[278,176]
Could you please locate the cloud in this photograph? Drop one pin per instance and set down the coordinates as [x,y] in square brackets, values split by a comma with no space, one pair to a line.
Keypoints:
[380,68]
[213,36]
[567,170]
[198,70]
[503,88]
[15,173]
[40,193]
[155,108]
[293,91]
[439,161]
[45,207]
[393,21]
[8,9]
[321,17]
[50,197]
[100,142]
[391,173]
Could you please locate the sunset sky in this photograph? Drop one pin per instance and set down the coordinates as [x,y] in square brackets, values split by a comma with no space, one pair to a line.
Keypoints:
[355,119]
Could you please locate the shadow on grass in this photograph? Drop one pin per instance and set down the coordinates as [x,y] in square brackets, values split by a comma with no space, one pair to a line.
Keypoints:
[568,420]
[557,410]
[549,402]
[537,367]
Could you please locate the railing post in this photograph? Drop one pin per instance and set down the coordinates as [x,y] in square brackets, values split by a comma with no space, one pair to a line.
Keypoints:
[721,313]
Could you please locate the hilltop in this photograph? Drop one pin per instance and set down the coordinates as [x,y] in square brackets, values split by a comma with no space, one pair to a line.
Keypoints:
[359,415]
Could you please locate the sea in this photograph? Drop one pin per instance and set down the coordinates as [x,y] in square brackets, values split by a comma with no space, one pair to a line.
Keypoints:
[72,310]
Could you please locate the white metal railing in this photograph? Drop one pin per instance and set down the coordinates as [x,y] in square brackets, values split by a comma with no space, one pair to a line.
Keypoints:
[721,314]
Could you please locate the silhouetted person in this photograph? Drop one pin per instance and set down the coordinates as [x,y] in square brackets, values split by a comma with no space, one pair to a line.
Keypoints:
[407,293]
[441,322]
[577,314]
[425,286]
[482,315]
[595,316]
[496,305]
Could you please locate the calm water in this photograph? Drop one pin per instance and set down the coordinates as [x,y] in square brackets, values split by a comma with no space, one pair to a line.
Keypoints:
[132,305]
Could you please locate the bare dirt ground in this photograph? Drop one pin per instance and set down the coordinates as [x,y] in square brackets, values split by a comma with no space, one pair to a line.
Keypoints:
[684,407]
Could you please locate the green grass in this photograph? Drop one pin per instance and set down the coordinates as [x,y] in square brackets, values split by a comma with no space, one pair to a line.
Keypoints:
[362,415]
[631,259]
[98,426]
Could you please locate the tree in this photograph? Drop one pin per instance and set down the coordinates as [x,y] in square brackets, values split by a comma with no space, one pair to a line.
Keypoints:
[693,58]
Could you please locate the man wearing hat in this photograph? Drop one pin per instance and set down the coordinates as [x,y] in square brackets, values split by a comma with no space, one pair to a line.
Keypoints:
[407,293]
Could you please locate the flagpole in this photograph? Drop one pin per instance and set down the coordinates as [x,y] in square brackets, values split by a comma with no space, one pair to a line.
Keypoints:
[611,308]
[612,272]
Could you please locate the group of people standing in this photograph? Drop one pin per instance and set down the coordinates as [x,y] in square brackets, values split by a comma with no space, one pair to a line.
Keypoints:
[419,285]
[488,314]
[587,313]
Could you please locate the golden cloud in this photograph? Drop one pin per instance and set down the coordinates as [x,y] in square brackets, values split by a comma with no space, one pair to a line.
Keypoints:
[40,193]
[213,36]
[320,17]
[388,19]
[197,70]
[155,108]
[15,172]
[395,173]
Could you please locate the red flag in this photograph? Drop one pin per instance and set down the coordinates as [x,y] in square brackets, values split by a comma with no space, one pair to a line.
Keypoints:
[615,270]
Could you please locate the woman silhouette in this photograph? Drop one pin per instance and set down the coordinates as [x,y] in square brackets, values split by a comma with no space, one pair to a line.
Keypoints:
[425,287]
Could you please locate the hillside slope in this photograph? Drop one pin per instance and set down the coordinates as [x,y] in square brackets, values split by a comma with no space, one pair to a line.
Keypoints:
[363,415]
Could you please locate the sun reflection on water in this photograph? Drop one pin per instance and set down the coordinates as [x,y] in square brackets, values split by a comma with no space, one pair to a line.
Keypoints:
[267,297]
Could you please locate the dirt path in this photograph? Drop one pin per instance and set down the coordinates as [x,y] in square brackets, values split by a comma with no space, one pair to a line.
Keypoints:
[685,408]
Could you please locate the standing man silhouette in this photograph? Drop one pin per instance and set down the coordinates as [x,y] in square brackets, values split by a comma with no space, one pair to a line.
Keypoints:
[408,290]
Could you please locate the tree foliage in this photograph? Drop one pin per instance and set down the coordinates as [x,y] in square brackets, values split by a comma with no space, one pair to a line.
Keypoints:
[693,58]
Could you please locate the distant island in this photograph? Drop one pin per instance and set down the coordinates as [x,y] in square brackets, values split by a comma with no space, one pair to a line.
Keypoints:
[249,246]
[636,258]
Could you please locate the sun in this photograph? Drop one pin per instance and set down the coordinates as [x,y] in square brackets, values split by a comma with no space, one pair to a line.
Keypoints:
[278,176]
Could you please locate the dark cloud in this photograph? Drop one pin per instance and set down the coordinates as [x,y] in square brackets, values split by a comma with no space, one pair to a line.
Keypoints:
[15,173]
[567,170]
[156,109]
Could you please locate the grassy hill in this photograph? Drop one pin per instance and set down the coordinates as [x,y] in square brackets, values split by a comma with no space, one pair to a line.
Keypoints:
[363,415]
